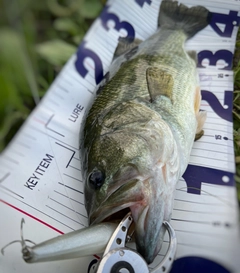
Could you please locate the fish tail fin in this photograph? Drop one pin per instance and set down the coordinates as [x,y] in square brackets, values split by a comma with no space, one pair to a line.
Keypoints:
[190,20]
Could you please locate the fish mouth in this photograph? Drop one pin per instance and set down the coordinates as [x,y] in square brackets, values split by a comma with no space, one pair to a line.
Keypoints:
[118,204]
[113,216]
[147,212]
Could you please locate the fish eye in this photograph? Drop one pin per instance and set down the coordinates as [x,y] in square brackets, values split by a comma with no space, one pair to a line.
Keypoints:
[96,179]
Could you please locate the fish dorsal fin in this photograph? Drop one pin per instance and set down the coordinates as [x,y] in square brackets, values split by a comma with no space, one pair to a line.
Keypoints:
[159,82]
[193,55]
[126,47]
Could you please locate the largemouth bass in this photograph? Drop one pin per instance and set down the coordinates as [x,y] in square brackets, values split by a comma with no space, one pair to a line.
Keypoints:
[140,129]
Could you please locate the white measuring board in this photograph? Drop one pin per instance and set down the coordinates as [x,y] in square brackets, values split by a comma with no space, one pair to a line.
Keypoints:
[40,176]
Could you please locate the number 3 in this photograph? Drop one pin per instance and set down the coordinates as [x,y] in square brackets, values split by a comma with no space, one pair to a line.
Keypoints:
[107,16]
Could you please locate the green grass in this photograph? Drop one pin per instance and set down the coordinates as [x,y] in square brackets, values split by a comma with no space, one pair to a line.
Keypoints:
[36,39]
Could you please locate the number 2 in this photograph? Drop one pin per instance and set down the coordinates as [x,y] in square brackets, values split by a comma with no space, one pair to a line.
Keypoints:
[196,175]
[84,52]
[224,113]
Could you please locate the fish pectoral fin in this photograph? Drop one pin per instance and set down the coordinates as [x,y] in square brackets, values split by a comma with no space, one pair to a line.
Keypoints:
[126,47]
[193,55]
[200,115]
[197,100]
[159,82]
[201,118]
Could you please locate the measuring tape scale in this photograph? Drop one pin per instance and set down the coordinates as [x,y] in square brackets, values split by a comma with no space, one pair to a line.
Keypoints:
[47,147]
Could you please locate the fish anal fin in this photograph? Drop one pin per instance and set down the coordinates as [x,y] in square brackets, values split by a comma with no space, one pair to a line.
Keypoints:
[126,47]
[159,82]
[193,55]
[201,118]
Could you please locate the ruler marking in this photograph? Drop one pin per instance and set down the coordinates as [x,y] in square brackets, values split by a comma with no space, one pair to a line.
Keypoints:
[65,216]
[54,102]
[206,194]
[17,153]
[200,233]
[23,144]
[50,129]
[75,168]
[49,120]
[201,149]
[200,203]
[68,207]
[92,84]
[132,14]
[198,246]
[45,133]
[207,165]
[68,164]
[11,160]
[218,130]
[57,95]
[90,91]
[212,185]
[85,86]
[4,177]
[3,187]
[208,135]
[215,123]
[72,177]
[205,212]
[39,120]
[55,132]
[29,136]
[65,79]
[201,141]
[191,221]
[62,88]
[64,195]
[71,76]
[105,52]
[223,137]
[65,147]
[211,158]
[35,218]
[71,188]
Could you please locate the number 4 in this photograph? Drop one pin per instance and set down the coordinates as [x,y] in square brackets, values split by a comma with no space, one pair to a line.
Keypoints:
[229,20]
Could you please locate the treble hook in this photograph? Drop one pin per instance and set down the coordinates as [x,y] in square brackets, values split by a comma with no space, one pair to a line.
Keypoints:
[22,241]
